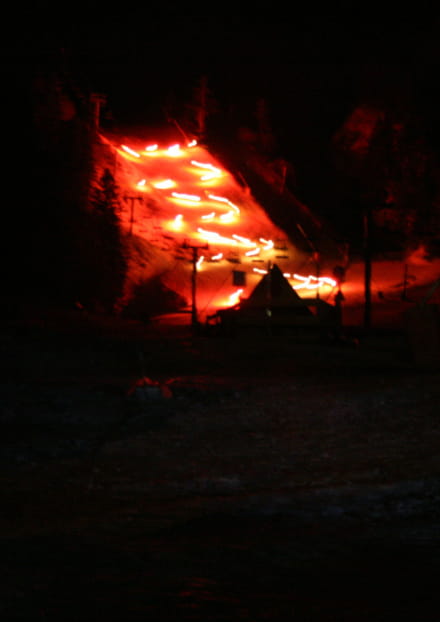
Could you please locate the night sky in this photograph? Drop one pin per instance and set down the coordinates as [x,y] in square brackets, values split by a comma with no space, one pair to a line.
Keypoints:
[312,68]
[315,65]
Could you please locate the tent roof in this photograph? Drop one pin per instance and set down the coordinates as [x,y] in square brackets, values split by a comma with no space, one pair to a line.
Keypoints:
[274,290]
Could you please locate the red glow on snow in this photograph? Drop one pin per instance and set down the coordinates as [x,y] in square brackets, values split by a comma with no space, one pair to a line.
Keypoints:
[179,206]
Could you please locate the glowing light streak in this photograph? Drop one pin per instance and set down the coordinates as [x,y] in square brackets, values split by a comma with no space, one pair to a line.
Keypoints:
[130,151]
[178,222]
[163,185]
[209,176]
[228,217]
[214,197]
[298,277]
[244,241]
[312,282]
[212,236]
[224,211]
[193,198]
[268,244]
[174,151]
[328,281]
[235,297]
[206,165]
[256,251]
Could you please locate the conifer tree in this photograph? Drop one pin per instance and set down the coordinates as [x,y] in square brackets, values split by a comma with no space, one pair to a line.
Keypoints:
[104,263]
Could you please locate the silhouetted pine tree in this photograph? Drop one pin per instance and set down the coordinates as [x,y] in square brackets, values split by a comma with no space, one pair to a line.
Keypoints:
[103,259]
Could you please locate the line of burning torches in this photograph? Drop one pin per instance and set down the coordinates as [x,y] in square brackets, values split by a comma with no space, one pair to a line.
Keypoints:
[210,174]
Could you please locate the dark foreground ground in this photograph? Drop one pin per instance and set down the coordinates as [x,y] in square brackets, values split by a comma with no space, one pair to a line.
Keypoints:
[253,478]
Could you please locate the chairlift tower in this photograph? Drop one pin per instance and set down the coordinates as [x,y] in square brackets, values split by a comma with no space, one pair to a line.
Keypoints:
[132,199]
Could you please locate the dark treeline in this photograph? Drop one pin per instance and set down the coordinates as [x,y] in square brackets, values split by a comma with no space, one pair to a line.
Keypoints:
[62,240]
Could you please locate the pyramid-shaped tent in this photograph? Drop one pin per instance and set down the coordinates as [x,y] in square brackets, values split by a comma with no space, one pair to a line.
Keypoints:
[275,291]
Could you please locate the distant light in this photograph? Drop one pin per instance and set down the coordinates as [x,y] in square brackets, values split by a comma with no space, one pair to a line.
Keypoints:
[200,261]
[217,257]
[152,148]
[210,216]
[259,271]
[141,183]
[193,143]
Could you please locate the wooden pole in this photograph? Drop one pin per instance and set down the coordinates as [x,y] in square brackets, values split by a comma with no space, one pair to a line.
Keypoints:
[195,256]
[194,320]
